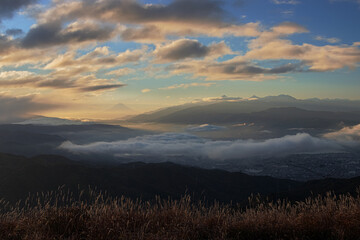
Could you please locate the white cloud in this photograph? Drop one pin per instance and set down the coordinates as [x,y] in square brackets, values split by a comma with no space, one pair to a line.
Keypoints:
[347,134]
[181,144]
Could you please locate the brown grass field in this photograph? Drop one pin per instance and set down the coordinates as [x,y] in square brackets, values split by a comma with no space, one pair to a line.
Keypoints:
[59,215]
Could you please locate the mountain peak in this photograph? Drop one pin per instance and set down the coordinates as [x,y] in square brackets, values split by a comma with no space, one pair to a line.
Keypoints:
[281,97]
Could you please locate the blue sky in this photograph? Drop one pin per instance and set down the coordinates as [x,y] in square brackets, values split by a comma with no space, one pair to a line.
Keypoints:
[76,59]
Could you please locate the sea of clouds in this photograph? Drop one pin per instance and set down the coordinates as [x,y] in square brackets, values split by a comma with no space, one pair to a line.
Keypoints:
[190,145]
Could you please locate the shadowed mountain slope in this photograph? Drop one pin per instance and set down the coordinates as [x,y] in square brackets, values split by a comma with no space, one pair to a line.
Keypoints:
[20,176]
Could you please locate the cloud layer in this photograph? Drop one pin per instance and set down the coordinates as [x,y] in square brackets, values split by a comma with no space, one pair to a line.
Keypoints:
[187,145]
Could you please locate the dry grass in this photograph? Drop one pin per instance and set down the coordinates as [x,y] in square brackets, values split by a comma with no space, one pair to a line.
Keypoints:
[58,215]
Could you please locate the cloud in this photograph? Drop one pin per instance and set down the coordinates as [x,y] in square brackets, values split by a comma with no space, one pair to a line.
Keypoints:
[347,134]
[13,55]
[237,68]
[337,57]
[187,85]
[291,2]
[101,87]
[14,108]
[325,39]
[52,34]
[146,90]
[145,34]
[187,48]
[270,45]
[152,22]
[276,32]
[69,70]
[205,128]
[14,78]
[222,98]
[187,145]
[121,72]
[56,80]
[8,7]
[5,44]
[99,59]
[14,32]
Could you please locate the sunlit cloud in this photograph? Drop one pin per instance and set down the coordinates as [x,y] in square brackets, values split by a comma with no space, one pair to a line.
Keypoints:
[187,85]
[84,48]
[346,134]
[146,90]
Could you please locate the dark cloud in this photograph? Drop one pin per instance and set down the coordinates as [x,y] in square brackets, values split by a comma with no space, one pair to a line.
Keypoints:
[101,87]
[8,7]
[51,34]
[13,109]
[14,32]
[134,12]
[187,48]
[57,83]
[181,49]
[238,68]
[248,68]
[287,68]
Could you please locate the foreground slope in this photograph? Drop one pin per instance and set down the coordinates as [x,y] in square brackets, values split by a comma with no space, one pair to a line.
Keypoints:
[20,176]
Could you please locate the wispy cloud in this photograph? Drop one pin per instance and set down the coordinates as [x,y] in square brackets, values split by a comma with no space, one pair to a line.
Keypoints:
[329,40]
[187,85]
[146,90]
[290,2]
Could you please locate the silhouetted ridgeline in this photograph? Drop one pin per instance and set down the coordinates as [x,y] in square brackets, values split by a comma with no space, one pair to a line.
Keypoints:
[21,176]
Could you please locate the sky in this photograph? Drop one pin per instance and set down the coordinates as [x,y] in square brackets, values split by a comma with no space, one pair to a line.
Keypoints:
[99,59]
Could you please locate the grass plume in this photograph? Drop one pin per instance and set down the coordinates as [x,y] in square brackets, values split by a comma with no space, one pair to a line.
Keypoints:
[94,216]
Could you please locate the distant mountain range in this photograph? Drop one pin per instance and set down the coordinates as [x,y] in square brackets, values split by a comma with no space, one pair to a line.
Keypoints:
[51,121]
[40,138]
[273,111]
[20,176]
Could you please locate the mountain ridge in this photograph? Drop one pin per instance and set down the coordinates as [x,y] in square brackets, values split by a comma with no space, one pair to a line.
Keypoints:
[21,176]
